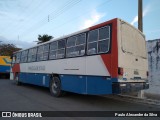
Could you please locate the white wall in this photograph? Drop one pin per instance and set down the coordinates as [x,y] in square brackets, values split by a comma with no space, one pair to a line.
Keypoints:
[154,66]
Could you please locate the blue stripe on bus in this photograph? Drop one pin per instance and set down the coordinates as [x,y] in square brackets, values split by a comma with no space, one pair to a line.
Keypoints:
[93,85]
[35,79]
[4,69]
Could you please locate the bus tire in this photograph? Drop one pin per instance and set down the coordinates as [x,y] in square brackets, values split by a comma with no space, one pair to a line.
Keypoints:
[17,80]
[55,87]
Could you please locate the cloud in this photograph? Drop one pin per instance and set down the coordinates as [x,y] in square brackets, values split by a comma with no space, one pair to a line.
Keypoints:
[17,43]
[94,18]
[10,16]
[134,20]
[145,12]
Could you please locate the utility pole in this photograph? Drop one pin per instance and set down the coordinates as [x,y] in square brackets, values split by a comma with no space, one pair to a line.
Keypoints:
[140,27]
[140,15]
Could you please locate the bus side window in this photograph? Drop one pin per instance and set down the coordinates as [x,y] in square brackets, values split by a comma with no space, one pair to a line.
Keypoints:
[18,57]
[53,50]
[70,50]
[76,45]
[45,52]
[24,56]
[57,49]
[80,44]
[92,42]
[104,39]
[32,54]
[98,41]
[40,53]
[61,48]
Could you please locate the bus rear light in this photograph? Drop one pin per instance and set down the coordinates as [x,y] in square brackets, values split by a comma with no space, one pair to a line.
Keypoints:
[120,71]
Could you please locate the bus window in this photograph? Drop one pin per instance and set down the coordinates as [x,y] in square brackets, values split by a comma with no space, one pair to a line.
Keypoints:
[52,55]
[98,41]
[18,57]
[32,54]
[93,36]
[92,48]
[71,41]
[92,42]
[81,39]
[103,46]
[61,49]
[46,48]
[80,44]
[24,56]
[104,39]
[71,52]
[76,45]
[61,44]
[53,46]
[40,53]
[53,50]
[57,49]
[45,52]
[60,53]
[104,33]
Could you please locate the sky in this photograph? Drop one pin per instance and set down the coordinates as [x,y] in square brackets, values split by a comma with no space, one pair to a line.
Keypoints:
[21,21]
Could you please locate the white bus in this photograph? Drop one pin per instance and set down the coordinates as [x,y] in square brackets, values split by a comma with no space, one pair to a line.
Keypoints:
[108,58]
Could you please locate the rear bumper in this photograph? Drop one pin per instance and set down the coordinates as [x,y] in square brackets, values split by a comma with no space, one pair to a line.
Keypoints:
[123,87]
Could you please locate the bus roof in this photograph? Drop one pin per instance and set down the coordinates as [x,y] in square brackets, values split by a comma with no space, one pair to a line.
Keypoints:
[81,31]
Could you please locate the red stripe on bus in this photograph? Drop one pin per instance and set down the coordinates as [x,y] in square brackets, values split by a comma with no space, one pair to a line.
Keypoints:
[107,61]
[114,51]
[102,24]
[111,59]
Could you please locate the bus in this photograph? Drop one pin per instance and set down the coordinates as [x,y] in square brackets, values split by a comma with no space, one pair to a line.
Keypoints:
[107,58]
[5,63]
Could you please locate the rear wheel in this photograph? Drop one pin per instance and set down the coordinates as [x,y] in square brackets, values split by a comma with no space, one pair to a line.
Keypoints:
[55,87]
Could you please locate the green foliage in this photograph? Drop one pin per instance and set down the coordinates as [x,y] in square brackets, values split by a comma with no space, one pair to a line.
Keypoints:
[43,38]
[8,49]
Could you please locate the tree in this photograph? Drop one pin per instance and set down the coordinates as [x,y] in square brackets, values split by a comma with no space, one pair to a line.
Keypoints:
[43,38]
[8,49]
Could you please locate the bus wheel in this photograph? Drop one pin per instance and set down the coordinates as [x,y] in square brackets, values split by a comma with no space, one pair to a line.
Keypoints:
[17,80]
[55,87]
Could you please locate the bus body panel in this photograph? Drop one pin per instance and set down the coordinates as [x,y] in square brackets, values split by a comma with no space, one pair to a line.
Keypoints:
[132,59]
[132,53]
[93,85]
[92,74]
[74,66]
[5,63]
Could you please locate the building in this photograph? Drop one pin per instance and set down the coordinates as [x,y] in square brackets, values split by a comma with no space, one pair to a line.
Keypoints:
[153,47]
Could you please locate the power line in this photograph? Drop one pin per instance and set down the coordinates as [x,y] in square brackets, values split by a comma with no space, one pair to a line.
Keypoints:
[70,20]
[53,15]
[10,24]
